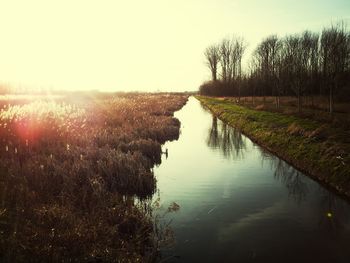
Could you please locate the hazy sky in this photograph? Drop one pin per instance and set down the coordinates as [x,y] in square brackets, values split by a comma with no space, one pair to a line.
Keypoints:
[145,45]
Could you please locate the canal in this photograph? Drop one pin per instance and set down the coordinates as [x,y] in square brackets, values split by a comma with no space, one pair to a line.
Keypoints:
[239,203]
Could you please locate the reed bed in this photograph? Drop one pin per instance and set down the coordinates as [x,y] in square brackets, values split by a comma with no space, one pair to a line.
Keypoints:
[71,170]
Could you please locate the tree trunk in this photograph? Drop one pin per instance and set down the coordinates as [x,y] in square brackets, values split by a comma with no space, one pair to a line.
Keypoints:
[239,93]
[331,100]
[214,76]
[277,96]
[276,102]
[299,102]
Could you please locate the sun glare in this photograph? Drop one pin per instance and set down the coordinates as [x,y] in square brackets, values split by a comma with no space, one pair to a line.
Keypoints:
[40,118]
[135,45]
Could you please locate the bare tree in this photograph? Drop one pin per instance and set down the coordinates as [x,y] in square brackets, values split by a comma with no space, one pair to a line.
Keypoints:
[314,66]
[238,51]
[212,55]
[253,79]
[225,59]
[293,61]
[335,58]
[306,50]
[274,46]
[231,53]
[267,56]
[306,64]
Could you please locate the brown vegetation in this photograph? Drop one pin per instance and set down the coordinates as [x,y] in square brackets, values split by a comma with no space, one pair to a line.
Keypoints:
[71,170]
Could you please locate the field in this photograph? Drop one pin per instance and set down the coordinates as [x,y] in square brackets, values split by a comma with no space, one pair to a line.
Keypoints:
[319,148]
[76,173]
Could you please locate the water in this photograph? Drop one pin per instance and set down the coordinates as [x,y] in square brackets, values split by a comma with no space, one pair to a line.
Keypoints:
[239,203]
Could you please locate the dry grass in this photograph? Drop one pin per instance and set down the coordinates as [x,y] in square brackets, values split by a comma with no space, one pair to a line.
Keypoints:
[71,170]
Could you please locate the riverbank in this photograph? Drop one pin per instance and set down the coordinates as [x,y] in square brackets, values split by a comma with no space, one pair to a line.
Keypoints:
[321,150]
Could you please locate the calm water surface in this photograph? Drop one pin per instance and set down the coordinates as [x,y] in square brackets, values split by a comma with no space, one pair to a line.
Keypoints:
[239,203]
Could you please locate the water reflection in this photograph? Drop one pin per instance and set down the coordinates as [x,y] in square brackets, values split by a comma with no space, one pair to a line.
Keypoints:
[213,134]
[334,215]
[227,139]
[332,212]
[240,203]
[293,180]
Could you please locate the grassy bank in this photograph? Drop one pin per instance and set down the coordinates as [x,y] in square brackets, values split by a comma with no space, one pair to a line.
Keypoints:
[71,172]
[322,150]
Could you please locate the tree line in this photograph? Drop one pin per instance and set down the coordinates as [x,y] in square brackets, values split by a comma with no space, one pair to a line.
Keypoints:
[306,64]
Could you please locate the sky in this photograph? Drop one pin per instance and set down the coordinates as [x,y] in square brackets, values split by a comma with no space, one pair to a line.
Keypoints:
[144,45]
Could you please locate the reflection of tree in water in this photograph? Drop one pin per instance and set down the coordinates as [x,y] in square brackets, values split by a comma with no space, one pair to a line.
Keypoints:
[334,212]
[227,139]
[232,142]
[288,175]
[213,136]
[292,179]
